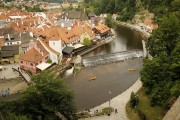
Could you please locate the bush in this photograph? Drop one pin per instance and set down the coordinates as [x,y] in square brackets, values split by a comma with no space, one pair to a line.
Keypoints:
[83,115]
[49,61]
[105,111]
[134,100]
[87,42]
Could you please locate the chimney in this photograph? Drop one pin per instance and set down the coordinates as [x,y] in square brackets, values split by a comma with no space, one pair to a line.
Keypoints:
[31,34]
[31,44]
[62,25]
[34,23]
[42,53]
[42,28]
[9,37]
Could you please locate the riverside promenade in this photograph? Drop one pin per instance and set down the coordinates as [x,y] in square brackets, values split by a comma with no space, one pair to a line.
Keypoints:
[118,103]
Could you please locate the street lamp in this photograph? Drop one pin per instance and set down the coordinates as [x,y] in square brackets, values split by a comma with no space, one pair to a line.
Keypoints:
[110,97]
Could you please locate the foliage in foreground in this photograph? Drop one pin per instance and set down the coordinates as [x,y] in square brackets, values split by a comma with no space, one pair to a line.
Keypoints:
[144,110]
[160,76]
[47,96]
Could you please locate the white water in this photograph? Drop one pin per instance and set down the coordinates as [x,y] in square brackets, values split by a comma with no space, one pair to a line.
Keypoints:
[69,72]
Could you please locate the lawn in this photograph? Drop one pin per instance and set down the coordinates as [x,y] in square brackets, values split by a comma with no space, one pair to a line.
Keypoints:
[151,113]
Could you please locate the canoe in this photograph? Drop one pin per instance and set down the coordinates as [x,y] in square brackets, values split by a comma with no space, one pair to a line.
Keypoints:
[93,78]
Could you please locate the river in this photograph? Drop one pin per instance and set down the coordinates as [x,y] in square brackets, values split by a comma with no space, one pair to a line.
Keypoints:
[125,39]
[111,77]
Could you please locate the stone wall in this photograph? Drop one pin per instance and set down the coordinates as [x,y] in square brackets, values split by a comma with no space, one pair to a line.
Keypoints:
[174,112]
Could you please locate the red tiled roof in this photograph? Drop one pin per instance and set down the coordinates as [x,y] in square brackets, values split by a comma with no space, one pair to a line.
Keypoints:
[102,28]
[31,55]
[150,23]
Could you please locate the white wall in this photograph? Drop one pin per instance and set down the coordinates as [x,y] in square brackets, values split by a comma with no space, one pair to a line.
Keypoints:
[54,58]
[56,45]
[12,43]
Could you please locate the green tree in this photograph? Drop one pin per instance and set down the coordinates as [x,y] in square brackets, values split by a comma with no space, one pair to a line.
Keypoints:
[160,76]
[108,20]
[133,100]
[49,61]
[87,42]
[164,39]
[46,96]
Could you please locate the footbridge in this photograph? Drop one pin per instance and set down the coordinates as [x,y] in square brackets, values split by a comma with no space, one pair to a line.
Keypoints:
[111,58]
[26,77]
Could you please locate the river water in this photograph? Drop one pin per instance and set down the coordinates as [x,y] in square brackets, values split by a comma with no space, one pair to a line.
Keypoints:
[111,77]
[126,39]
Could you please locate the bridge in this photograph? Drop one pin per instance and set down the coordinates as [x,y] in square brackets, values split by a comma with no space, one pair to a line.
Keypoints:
[26,77]
[111,58]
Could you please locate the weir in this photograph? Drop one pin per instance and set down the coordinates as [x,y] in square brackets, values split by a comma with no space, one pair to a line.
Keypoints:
[111,58]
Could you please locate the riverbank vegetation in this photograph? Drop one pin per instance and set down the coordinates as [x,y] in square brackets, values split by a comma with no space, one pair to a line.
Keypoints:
[47,98]
[144,110]
[160,76]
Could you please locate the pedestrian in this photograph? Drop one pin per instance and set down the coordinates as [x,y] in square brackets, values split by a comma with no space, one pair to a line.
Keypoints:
[116,111]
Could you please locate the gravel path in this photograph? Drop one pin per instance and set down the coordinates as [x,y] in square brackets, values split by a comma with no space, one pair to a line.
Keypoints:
[118,103]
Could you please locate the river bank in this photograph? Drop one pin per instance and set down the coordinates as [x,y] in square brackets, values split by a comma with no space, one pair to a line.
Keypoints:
[118,103]
[136,27]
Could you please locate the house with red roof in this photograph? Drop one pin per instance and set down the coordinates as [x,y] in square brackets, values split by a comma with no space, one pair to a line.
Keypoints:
[149,25]
[102,30]
[35,55]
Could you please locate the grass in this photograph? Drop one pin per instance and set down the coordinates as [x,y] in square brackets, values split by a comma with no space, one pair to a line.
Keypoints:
[84,115]
[105,111]
[151,113]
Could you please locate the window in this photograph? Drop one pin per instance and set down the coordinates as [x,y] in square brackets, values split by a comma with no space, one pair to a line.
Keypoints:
[40,61]
[36,64]
[31,64]
[21,62]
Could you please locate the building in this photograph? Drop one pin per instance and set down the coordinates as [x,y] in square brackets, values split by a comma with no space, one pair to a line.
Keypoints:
[78,15]
[35,55]
[9,51]
[102,30]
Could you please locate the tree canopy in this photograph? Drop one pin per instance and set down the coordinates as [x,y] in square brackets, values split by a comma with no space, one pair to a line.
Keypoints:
[160,76]
[47,96]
